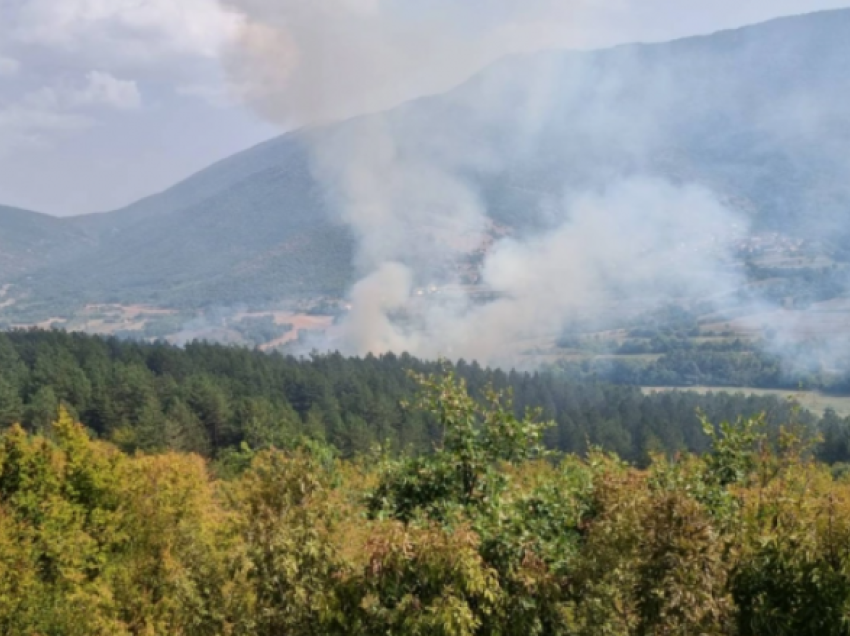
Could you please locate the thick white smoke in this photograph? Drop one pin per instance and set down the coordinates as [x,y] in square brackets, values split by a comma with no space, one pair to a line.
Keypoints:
[411,191]
[638,243]
[402,205]
[406,193]
[301,62]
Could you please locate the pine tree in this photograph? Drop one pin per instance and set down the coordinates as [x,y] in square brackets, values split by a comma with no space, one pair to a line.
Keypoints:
[11,405]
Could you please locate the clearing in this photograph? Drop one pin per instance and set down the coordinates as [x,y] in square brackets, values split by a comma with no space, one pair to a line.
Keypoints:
[811,400]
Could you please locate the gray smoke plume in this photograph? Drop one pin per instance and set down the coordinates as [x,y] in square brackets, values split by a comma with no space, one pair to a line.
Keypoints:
[639,243]
[432,190]
[302,62]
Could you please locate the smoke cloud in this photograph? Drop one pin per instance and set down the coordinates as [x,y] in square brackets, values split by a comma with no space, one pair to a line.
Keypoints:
[638,244]
[428,189]
[319,61]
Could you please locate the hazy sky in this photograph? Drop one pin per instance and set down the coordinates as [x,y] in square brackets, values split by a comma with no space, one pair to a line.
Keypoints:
[105,101]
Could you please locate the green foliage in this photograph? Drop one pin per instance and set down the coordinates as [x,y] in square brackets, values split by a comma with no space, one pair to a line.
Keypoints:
[526,539]
[425,581]
[211,399]
[734,449]
[284,519]
[464,468]
[486,536]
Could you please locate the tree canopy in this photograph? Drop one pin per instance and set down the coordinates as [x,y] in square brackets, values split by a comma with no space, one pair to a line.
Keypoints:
[487,535]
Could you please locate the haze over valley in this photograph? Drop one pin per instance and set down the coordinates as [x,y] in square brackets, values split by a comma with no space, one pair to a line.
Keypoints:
[551,194]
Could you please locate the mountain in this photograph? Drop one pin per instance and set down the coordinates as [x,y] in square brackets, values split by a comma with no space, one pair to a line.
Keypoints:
[250,228]
[215,237]
[31,241]
[757,114]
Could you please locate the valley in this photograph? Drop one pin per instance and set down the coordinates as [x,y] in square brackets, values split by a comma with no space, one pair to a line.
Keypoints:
[267,330]
[495,334]
[720,258]
[801,302]
[272,226]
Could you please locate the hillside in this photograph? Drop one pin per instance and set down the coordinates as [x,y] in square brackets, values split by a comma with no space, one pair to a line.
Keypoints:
[756,114]
[209,398]
[30,241]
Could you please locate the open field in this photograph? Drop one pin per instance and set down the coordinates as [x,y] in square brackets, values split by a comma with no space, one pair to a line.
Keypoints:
[151,322]
[577,356]
[299,322]
[811,400]
[820,320]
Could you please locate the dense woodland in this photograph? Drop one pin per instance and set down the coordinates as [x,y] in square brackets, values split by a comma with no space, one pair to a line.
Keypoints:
[670,347]
[214,400]
[694,366]
[485,536]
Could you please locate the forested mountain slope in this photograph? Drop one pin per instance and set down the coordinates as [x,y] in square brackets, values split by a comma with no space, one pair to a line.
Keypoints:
[30,241]
[756,114]
[209,398]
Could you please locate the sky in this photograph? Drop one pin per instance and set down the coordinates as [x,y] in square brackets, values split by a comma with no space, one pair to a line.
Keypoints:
[103,102]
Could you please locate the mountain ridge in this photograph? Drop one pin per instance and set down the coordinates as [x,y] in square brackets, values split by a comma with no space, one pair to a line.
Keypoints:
[698,109]
[218,168]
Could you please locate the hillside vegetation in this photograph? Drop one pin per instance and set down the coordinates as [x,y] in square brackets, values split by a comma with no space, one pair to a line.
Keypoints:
[485,536]
[30,242]
[212,400]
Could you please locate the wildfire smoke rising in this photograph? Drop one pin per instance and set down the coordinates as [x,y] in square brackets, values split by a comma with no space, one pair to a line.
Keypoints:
[407,180]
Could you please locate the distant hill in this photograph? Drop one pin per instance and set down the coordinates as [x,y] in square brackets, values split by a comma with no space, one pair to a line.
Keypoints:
[252,228]
[30,241]
[758,114]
